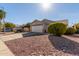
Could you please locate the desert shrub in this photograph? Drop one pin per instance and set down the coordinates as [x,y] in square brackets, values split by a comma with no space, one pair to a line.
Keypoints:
[77,31]
[57,29]
[70,30]
[76,25]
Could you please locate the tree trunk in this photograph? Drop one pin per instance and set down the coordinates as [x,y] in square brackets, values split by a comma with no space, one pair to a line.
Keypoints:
[3,25]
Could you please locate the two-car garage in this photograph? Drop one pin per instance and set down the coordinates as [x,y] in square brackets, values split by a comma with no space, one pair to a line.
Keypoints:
[38,28]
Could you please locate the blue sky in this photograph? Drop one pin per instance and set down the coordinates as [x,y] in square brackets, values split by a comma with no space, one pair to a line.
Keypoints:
[23,13]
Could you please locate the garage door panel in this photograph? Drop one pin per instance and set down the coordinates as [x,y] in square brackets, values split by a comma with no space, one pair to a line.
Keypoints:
[37,28]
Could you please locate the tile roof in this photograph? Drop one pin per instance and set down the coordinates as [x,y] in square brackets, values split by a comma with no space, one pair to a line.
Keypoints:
[46,21]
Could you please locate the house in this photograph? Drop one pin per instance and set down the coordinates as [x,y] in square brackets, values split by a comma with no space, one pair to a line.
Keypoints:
[26,28]
[18,29]
[42,26]
[22,28]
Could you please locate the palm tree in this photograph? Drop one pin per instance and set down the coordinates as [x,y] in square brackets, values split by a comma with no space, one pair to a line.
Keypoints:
[2,16]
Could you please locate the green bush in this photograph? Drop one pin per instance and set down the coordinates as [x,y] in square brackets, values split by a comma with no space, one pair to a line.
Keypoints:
[70,30]
[77,32]
[57,29]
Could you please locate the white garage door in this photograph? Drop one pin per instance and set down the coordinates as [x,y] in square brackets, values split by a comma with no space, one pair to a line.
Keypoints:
[37,28]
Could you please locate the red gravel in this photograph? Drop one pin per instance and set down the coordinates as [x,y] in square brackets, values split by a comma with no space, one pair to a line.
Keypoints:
[34,45]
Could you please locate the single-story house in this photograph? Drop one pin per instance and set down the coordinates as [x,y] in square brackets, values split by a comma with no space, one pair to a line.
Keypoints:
[26,29]
[18,28]
[42,26]
[22,28]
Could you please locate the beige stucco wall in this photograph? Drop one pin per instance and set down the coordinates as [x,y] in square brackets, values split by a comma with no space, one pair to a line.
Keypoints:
[26,29]
[45,29]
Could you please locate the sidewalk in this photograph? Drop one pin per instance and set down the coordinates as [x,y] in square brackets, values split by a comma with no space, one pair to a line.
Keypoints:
[75,39]
[4,51]
[11,37]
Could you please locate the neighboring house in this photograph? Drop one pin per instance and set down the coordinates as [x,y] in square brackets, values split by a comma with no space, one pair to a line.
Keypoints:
[18,29]
[42,26]
[22,29]
[26,29]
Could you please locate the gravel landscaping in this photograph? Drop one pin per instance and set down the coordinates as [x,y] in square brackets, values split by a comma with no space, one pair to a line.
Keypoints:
[42,45]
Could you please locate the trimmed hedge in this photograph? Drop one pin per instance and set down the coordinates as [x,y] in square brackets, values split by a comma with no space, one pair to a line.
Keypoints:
[57,29]
[70,31]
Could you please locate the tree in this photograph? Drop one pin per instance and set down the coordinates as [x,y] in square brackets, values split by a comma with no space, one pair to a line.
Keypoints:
[0,26]
[77,26]
[2,16]
[27,25]
[70,31]
[9,25]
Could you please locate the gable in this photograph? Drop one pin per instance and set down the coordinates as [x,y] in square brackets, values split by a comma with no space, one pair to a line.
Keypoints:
[37,23]
[45,21]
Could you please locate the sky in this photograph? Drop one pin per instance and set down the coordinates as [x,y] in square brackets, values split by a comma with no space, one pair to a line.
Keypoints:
[22,13]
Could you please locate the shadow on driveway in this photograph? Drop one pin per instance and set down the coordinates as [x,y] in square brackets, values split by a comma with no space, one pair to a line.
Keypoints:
[33,34]
[64,44]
